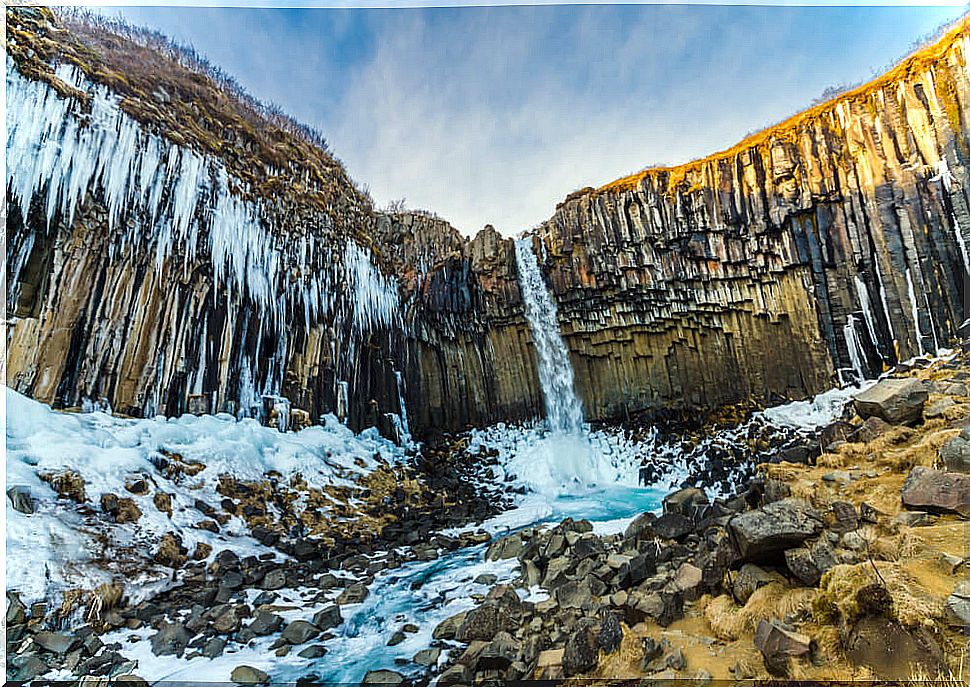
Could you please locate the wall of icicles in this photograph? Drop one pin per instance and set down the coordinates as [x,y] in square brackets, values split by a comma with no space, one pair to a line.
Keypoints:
[141,275]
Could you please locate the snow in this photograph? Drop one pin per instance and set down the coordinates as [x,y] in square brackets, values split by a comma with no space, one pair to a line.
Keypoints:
[105,450]
[814,413]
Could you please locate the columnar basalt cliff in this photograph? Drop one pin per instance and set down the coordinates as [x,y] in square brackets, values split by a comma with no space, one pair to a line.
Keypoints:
[172,246]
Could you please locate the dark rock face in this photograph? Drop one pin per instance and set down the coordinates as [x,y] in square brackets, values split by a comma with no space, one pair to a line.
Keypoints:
[897,401]
[775,527]
[937,492]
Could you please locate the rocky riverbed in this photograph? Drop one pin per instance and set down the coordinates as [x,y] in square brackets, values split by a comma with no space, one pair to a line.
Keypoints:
[840,554]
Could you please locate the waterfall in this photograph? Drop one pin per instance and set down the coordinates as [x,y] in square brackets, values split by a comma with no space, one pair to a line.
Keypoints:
[564,412]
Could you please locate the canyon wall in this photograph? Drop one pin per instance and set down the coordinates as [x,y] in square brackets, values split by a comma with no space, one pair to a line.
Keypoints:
[172,248]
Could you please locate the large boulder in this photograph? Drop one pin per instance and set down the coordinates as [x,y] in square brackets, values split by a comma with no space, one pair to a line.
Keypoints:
[775,527]
[779,646]
[689,501]
[581,652]
[170,640]
[955,453]
[897,401]
[958,606]
[937,492]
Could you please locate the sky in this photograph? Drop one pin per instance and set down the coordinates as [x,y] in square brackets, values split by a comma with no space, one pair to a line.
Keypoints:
[492,115]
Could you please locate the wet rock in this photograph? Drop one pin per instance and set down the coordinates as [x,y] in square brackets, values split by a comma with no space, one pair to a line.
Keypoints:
[775,527]
[313,651]
[247,675]
[56,642]
[937,491]
[382,677]
[265,623]
[25,667]
[328,618]
[581,652]
[170,640]
[486,579]
[749,579]
[427,657]
[21,499]
[68,484]
[448,628]
[354,594]
[897,401]
[228,621]
[456,674]
[300,632]
[641,529]
[16,611]
[779,646]
[504,548]
[689,502]
[396,638]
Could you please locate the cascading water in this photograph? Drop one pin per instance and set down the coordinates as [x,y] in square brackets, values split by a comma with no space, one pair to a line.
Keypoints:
[564,412]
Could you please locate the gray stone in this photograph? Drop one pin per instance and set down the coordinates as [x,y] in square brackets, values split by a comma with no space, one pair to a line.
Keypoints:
[382,677]
[750,578]
[427,657]
[300,632]
[504,548]
[328,617]
[247,675]
[897,401]
[265,623]
[313,651]
[775,527]
[214,647]
[676,660]
[955,455]
[56,642]
[937,491]
[610,634]
[689,502]
[779,645]
[274,579]
[500,653]
[354,594]
[958,605]
[581,652]
[170,640]
[21,499]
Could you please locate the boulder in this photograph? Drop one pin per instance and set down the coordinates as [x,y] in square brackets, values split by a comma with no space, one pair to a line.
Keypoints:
[448,627]
[687,581]
[641,529]
[779,645]
[958,606]
[170,640]
[689,502]
[673,526]
[382,677]
[56,642]
[265,623]
[500,653]
[300,632]
[484,622]
[610,634]
[872,428]
[313,651]
[897,401]
[247,675]
[20,499]
[456,674]
[354,594]
[274,579]
[506,547]
[581,652]
[775,527]
[749,579]
[427,657]
[328,617]
[214,647]
[936,491]
[955,453]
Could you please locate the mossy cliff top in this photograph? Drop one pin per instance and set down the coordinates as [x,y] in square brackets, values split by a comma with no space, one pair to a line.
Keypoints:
[173,92]
[865,96]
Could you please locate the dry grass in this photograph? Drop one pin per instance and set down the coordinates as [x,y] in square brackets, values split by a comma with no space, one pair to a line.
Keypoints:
[729,621]
[912,604]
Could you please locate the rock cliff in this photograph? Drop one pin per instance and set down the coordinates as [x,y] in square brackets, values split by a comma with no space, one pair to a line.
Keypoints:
[173,246]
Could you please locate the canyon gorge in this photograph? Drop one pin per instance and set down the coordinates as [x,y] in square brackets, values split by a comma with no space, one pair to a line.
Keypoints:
[707,421]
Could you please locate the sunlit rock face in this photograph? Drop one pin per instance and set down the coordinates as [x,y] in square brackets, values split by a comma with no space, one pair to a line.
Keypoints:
[169,264]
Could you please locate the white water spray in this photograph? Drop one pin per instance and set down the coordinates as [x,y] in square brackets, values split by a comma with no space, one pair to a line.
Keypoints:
[564,412]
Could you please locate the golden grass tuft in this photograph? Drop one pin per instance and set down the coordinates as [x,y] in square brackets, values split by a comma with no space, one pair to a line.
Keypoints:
[912,604]
[729,621]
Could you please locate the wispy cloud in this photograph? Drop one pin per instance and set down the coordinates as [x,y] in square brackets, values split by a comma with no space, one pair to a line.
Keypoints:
[492,115]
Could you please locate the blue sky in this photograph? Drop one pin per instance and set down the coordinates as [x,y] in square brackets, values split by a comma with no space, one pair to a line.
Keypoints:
[494,114]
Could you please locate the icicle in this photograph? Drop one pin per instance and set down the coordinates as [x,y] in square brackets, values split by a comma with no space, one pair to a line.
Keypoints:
[915,311]
[854,347]
[405,429]
[946,179]
[375,296]
[863,293]
[882,298]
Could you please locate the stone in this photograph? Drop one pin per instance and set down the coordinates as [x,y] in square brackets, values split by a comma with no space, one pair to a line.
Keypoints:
[21,499]
[778,646]
[871,429]
[845,517]
[955,455]
[581,652]
[170,640]
[427,657]
[300,632]
[214,647]
[265,623]
[382,677]
[675,660]
[500,653]
[273,580]
[396,638]
[610,634]
[897,401]
[247,675]
[56,642]
[313,651]
[938,408]
[455,675]
[689,502]
[484,622]
[328,618]
[228,621]
[958,606]
[673,526]
[891,651]
[505,548]
[749,579]
[775,527]
[354,594]
[688,581]
[488,579]
[937,492]
[574,594]
[448,627]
